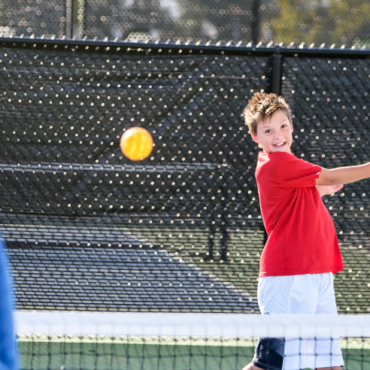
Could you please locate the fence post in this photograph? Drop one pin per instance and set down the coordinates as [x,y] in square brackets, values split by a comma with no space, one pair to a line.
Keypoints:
[255,21]
[276,72]
[69,30]
[75,18]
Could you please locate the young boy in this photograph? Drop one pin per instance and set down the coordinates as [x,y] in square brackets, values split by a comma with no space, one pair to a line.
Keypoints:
[302,252]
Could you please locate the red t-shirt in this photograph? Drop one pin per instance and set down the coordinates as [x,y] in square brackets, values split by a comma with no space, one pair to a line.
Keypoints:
[301,233]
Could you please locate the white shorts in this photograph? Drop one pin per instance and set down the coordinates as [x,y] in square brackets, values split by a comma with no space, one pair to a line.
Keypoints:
[311,294]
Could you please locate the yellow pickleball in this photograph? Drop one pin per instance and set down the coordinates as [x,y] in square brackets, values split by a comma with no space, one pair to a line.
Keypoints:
[136,143]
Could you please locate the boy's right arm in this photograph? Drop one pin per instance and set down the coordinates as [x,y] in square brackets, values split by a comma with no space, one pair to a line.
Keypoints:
[343,175]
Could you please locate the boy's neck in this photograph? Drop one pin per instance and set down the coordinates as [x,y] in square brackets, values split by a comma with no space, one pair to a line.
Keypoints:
[289,152]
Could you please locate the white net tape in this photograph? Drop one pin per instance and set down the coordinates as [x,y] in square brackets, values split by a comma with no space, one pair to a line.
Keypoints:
[191,324]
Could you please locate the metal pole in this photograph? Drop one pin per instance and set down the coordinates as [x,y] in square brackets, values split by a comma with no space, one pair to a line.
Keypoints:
[255,21]
[78,18]
[276,72]
[69,25]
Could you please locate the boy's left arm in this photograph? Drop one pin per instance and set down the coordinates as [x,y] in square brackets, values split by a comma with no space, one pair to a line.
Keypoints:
[328,189]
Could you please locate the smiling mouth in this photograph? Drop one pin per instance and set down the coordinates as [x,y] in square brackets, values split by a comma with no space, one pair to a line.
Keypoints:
[279,145]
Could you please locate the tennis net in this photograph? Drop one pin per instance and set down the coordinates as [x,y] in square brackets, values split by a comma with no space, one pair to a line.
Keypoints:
[183,341]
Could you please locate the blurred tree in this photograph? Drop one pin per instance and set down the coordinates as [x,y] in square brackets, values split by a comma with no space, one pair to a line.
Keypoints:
[221,20]
[320,21]
[300,21]
[39,17]
[146,17]
[137,20]
[352,20]
[191,20]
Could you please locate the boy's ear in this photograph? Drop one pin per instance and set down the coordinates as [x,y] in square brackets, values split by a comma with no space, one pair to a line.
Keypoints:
[255,139]
[291,128]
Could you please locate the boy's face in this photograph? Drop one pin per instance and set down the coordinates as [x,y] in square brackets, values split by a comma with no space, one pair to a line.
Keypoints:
[275,133]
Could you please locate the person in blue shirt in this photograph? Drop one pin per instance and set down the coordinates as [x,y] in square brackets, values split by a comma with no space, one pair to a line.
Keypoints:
[8,354]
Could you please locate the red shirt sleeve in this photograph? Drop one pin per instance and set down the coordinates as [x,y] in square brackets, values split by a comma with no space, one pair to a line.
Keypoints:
[297,173]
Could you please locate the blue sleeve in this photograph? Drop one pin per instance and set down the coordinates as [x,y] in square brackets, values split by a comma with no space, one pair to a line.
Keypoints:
[8,355]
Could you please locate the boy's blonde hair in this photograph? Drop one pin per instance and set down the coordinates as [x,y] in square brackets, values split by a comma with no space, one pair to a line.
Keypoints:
[261,106]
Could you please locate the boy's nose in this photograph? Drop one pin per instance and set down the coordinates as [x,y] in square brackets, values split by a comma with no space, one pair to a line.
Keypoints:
[277,137]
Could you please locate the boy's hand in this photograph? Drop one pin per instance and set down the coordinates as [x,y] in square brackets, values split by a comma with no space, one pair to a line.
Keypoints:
[328,189]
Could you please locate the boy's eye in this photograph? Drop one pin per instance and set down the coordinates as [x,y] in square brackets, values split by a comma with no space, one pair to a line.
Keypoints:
[267,131]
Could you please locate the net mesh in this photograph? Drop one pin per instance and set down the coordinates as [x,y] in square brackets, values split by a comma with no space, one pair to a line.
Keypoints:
[177,341]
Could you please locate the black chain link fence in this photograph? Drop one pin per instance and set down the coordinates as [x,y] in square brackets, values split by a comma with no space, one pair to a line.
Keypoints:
[33,17]
[181,230]
[323,22]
